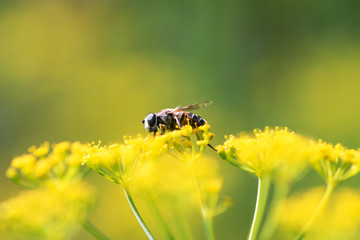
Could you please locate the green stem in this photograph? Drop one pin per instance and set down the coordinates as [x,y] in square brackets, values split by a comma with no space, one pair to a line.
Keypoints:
[207,218]
[136,213]
[239,165]
[329,190]
[270,225]
[209,228]
[88,226]
[182,225]
[262,194]
[157,214]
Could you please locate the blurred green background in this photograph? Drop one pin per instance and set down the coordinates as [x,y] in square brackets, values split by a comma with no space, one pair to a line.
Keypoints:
[92,70]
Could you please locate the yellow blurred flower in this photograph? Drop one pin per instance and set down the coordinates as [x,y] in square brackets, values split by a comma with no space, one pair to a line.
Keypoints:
[169,180]
[168,186]
[62,162]
[273,151]
[52,211]
[339,220]
[166,180]
[335,163]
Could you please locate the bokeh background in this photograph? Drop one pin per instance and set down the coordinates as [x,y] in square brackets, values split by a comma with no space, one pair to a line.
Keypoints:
[92,70]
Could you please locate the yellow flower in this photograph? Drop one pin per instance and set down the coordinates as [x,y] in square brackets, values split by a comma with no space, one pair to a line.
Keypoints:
[52,211]
[339,220]
[62,162]
[166,180]
[176,188]
[40,151]
[335,163]
[187,143]
[119,162]
[272,151]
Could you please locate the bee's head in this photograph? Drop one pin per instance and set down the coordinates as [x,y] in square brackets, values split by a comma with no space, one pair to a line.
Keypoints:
[150,122]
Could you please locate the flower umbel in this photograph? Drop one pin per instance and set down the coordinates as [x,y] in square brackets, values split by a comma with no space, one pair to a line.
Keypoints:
[271,155]
[186,144]
[265,151]
[52,211]
[339,220]
[169,189]
[335,163]
[119,162]
[62,162]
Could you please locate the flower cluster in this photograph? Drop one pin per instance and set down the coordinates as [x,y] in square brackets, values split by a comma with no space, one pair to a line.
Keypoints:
[266,152]
[186,144]
[280,155]
[59,201]
[334,163]
[52,211]
[62,162]
[172,189]
[120,162]
[339,220]
[174,177]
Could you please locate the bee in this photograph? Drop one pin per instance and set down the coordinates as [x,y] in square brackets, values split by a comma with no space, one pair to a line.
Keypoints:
[174,118]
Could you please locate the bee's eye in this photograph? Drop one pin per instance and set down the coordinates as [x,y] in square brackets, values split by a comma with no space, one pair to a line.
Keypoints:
[151,119]
[150,122]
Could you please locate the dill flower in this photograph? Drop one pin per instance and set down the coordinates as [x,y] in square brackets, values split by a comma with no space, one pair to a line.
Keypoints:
[52,211]
[335,163]
[166,187]
[62,161]
[266,151]
[172,181]
[166,180]
[272,155]
[339,220]
[209,183]
[170,192]
[120,162]
[210,192]
[187,143]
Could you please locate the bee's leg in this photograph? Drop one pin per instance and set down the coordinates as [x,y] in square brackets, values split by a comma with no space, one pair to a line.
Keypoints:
[155,131]
[187,119]
[184,119]
[162,129]
[177,121]
[212,147]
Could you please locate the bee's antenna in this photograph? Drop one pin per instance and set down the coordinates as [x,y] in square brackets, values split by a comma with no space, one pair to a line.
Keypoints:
[212,147]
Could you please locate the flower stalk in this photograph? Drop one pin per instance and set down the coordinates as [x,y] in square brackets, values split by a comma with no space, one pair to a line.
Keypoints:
[209,228]
[207,218]
[157,214]
[329,190]
[136,212]
[276,208]
[94,231]
[262,194]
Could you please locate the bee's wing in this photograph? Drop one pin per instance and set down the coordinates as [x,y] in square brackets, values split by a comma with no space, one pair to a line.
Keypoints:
[191,107]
